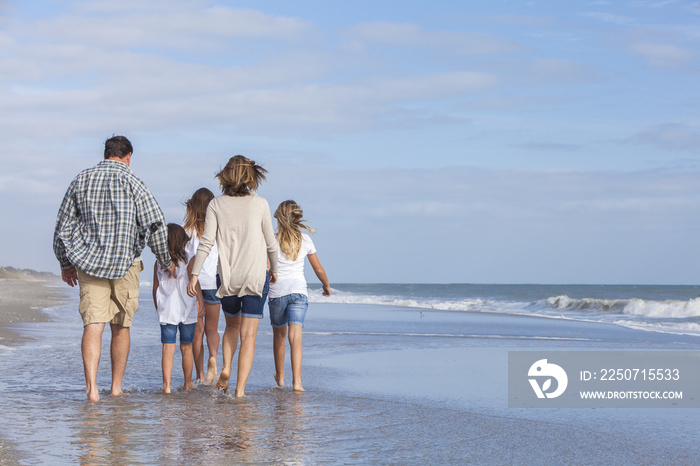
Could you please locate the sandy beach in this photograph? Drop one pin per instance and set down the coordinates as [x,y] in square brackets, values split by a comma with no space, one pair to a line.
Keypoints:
[15,307]
[384,384]
[22,298]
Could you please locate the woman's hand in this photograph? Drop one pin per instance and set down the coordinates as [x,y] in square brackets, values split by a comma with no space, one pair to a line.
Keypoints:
[327,290]
[273,278]
[192,287]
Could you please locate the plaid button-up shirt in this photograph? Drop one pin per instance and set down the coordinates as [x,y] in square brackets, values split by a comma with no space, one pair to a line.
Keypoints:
[107,217]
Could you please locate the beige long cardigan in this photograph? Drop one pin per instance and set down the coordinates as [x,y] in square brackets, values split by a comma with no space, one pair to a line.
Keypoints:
[242,228]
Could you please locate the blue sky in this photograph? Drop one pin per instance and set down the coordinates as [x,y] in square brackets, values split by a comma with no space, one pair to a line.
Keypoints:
[450,142]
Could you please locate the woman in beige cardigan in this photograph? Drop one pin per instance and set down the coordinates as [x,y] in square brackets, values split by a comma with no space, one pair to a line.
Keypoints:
[240,223]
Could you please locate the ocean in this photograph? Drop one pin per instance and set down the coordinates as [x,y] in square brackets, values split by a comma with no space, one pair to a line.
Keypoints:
[659,308]
[408,374]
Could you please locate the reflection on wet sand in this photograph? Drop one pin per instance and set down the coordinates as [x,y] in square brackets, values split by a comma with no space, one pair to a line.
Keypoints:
[203,424]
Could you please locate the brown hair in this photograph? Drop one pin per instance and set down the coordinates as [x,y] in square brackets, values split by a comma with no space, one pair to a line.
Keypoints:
[177,240]
[240,176]
[197,210]
[290,221]
[117,147]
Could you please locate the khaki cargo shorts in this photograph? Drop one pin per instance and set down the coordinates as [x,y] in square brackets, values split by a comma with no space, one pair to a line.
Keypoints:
[105,300]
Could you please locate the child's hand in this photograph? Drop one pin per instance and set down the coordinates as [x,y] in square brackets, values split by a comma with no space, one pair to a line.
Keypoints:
[192,287]
[326,290]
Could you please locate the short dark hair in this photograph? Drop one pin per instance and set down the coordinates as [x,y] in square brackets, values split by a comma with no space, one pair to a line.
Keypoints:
[117,146]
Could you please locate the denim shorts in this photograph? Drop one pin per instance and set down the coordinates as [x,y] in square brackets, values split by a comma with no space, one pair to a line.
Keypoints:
[210,297]
[251,306]
[168,332]
[287,310]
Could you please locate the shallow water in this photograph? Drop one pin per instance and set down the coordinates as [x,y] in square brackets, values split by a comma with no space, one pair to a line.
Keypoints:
[382,386]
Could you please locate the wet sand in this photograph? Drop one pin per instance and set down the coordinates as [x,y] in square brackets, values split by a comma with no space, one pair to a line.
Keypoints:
[22,301]
[384,384]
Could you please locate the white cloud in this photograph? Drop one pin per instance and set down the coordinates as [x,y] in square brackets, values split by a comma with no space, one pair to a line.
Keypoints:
[662,55]
[180,27]
[414,36]
[610,18]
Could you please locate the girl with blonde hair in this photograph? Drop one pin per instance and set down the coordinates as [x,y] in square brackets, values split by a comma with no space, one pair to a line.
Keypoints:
[209,323]
[288,299]
[240,223]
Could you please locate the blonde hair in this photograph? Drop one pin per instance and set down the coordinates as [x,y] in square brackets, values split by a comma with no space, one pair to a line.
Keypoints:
[289,224]
[197,210]
[240,176]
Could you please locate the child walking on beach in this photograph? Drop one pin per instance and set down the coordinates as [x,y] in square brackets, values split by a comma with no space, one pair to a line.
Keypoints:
[288,299]
[176,310]
[208,324]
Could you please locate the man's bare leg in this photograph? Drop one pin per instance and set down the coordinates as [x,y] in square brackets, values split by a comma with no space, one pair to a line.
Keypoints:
[119,351]
[296,350]
[279,336]
[249,330]
[91,347]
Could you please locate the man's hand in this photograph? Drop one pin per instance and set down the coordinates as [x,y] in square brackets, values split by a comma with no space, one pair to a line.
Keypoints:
[273,278]
[172,270]
[70,276]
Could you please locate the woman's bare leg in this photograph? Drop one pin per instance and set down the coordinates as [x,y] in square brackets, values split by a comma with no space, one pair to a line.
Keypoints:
[230,342]
[249,330]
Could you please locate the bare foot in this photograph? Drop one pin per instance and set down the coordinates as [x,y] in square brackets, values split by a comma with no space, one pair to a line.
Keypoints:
[188,385]
[93,394]
[298,387]
[116,391]
[279,378]
[240,394]
[166,389]
[211,370]
[222,384]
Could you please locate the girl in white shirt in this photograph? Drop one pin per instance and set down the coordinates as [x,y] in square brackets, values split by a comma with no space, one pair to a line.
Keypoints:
[175,310]
[208,324]
[288,299]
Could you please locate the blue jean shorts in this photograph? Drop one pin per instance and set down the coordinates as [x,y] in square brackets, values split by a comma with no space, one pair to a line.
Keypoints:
[250,306]
[287,310]
[169,331]
[210,297]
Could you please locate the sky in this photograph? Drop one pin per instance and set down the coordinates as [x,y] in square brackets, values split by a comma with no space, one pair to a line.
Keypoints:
[427,142]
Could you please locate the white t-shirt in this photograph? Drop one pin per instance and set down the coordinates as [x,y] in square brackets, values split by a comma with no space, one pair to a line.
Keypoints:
[173,305]
[207,276]
[290,274]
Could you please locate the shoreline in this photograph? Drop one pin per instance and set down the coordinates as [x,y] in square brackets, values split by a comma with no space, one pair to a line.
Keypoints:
[16,307]
[357,360]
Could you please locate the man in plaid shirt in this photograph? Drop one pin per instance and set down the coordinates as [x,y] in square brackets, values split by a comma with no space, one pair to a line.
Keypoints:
[107,217]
